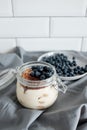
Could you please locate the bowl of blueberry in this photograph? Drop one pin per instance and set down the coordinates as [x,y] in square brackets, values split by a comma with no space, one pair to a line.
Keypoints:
[68,65]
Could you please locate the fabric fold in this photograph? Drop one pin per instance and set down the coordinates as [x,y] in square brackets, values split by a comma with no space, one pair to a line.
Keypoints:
[69,112]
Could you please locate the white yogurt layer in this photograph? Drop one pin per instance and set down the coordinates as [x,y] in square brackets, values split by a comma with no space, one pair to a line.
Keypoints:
[37,98]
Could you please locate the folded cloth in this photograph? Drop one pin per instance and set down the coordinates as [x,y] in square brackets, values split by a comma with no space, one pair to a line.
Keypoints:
[68,113]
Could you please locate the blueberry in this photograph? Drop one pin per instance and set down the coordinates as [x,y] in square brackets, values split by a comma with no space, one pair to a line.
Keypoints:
[42,77]
[85,68]
[59,66]
[37,74]
[70,63]
[34,67]
[65,58]
[47,69]
[44,59]
[37,68]
[40,68]
[64,71]
[53,62]
[67,74]
[74,63]
[81,72]
[72,73]
[32,74]
[50,74]
[76,72]
[60,74]
[58,70]
[62,55]
[63,67]
[78,68]
[82,69]
[73,58]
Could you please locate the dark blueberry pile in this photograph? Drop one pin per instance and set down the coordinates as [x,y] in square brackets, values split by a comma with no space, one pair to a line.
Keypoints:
[65,67]
[41,72]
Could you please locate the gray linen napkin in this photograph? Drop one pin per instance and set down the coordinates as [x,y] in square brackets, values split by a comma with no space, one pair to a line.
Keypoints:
[68,113]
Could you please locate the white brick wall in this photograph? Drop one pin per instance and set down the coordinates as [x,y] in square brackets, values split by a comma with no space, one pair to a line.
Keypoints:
[6,45]
[49,7]
[5,8]
[49,43]
[43,24]
[69,27]
[24,27]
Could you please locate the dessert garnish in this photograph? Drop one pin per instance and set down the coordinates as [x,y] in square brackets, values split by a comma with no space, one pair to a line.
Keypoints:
[37,73]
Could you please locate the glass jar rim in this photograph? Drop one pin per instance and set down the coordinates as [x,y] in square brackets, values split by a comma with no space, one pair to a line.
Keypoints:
[35,82]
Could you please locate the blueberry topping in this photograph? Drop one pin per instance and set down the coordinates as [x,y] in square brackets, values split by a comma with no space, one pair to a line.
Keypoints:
[49,74]
[45,68]
[42,77]
[40,68]
[34,67]
[32,74]
[37,73]
[41,72]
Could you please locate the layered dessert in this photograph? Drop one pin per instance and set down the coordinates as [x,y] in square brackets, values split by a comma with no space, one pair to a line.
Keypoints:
[42,89]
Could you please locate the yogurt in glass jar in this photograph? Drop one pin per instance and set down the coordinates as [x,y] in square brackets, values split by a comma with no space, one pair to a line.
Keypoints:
[36,92]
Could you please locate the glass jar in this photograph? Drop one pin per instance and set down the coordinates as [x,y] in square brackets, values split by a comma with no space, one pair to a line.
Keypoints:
[37,94]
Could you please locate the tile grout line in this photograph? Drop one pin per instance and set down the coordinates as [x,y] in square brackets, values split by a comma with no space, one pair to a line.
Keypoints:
[86,13]
[49,27]
[12,8]
[41,37]
[82,44]
[82,41]
[37,16]
[85,8]
[16,41]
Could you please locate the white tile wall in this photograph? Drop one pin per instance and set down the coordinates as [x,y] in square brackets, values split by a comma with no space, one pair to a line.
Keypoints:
[24,27]
[36,44]
[6,45]
[49,7]
[84,44]
[43,24]
[73,27]
[5,8]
